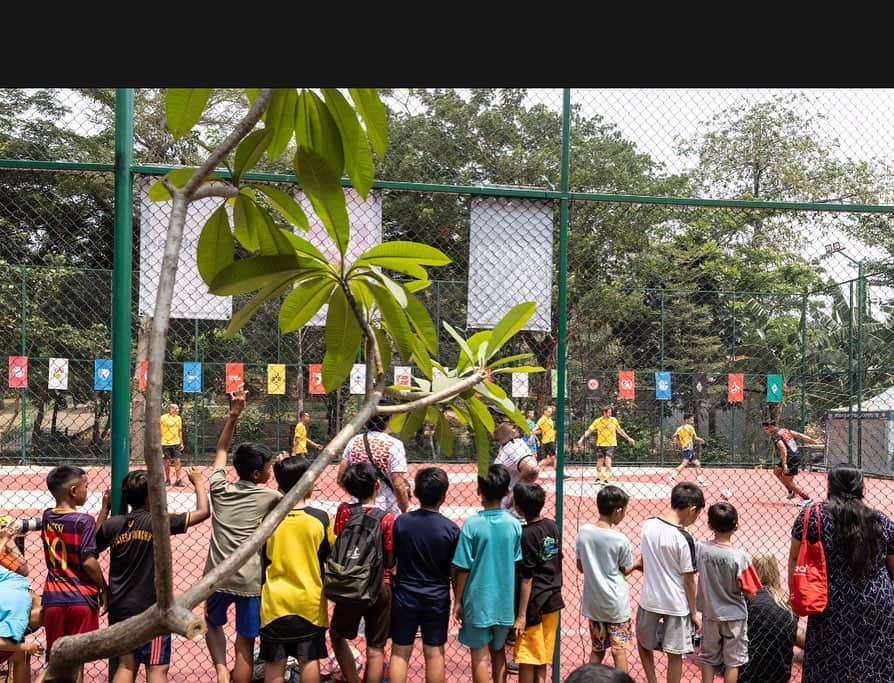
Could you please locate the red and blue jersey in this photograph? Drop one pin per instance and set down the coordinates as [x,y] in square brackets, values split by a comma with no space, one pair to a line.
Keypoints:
[69,538]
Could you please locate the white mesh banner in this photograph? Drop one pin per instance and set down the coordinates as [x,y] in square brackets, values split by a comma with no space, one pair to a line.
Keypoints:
[365,217]
[191,297]
[510,260]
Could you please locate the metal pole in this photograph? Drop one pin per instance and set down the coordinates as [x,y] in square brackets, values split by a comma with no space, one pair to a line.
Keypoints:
[195,402]
[860,305]
[121,293]
[850,374]
[562,332]
[661,403]
[804,361]
[732,435]
[23,393]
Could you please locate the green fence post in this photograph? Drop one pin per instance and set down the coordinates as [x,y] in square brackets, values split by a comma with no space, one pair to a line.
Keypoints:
[195,403]
[732,434]
[850,374]
[861,303]
[562,331]
[23,393]
[804,361]
[121,292]
[661,403]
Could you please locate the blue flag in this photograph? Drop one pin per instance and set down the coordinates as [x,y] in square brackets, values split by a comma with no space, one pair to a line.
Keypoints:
[102,374]
[663,386]
[192,378]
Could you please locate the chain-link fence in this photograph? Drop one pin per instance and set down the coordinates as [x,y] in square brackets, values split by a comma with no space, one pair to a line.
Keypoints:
[721,253]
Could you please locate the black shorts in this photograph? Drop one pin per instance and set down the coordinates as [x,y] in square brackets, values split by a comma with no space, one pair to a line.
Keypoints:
[794,463]
[171,452]
[605,451]
[415,612]
[346,620]
[292,636]
[548,449]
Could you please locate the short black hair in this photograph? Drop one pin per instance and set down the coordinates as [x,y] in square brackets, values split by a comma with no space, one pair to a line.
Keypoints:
[529,497]
[768,423]
[61,476]
[377,423]
[686,494]
[610,498]
[303,413]
[430,484]
[289,470]
[360,480]
[250,457]
[598,673]
[496,484]
[135,488]
[723,517]
[686,416]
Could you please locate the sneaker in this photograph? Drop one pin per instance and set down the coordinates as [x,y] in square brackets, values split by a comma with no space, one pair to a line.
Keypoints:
[179,483]
[511,667]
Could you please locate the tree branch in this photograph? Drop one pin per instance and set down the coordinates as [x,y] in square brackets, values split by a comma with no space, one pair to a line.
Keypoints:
[432,398]
[215,188]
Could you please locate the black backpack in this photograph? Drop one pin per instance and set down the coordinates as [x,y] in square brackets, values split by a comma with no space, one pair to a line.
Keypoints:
[355,571]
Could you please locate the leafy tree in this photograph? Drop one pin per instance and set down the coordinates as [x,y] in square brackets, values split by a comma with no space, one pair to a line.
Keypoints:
[368,310]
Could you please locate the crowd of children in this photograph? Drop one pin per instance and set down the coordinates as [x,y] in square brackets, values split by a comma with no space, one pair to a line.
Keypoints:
[371,563]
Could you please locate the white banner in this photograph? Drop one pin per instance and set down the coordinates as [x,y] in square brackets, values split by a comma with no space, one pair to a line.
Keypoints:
[520,385]
[58,375]
[510,260]
[365,218]
[358,378]
[403,375]
[191,297]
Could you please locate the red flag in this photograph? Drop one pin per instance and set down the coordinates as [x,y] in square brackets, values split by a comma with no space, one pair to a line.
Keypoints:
[235,378]
[18,372]
[626,384]
[315,379]
[144,374]
[735,388]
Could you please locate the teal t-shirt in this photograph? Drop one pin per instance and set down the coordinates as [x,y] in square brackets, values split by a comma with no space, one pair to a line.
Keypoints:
[488,548]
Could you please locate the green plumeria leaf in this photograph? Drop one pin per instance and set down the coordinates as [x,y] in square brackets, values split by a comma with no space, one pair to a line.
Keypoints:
[466,358]
[342,336]
[178,177]
[509,326]
[183,108]
[215,250]
[358,160]
[324,190]
[303,302]
[246,219]
[276,287]
[373,113]
[250,151]
[316,129]
[249,274]
[280,120]
[444,435]
[285,204]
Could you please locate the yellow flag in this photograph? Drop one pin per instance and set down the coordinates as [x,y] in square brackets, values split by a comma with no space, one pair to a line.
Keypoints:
[276,378]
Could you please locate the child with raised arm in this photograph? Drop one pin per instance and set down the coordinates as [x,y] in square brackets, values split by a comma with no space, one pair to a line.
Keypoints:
[484,564]
[686,437]
[239,507]
[605,560]
[669,585]
[75,589]
[540,585]
[424,543]
[294,611]
[128,538]
[725,576]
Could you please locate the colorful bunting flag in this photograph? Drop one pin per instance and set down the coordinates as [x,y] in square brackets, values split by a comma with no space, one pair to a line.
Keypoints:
[735,388]
[192,378]
[102,374]
[403,375]
[57,378]
[143,374]
[235,377]
[626,384]
[18,372]
[358,378]
[663,386]
[699,386]
[774,388]
[276,378]
[315,379]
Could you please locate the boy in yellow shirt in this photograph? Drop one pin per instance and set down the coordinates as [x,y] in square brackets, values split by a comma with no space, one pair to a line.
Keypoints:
[607,429]
[172,443]
[685,436]
[546,430]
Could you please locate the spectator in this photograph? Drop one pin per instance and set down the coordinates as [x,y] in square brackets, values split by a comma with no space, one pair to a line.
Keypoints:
[598,673]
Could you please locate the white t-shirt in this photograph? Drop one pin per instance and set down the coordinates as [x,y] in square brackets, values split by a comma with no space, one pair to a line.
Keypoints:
[510,456]
[668,552]
[389,454]
[601,553]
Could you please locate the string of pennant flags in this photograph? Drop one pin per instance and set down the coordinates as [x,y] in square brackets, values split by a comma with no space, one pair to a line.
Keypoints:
[57,378]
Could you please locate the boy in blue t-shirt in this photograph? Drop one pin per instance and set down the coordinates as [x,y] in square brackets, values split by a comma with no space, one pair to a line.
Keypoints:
[424,543]
[488,549]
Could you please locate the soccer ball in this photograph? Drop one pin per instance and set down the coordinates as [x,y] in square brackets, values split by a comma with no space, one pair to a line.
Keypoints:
[725,493]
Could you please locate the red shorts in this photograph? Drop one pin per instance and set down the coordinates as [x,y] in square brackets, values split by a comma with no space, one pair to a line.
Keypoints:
[68,620]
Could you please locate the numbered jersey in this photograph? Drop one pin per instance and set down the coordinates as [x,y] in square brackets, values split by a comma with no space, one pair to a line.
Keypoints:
[69,538]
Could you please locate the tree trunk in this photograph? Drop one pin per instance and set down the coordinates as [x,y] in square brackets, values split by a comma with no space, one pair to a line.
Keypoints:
[38,417]
[544,351]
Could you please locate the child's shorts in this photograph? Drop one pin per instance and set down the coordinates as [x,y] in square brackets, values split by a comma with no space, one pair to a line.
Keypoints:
[724,642]
[156,651]
[346,620]
[476,637]
[677,639]
[248,612]
[292,636]
[432,616]
[689,454]
[537,643]
[68,620]
[608,636]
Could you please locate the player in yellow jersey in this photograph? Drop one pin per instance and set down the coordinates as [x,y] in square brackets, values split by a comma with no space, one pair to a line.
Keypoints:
[686,437]
[301,439]
[172,443]
[607,429]
[545,429]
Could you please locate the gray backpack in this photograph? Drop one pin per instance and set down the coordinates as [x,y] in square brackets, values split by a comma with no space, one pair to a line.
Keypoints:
[355,571]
